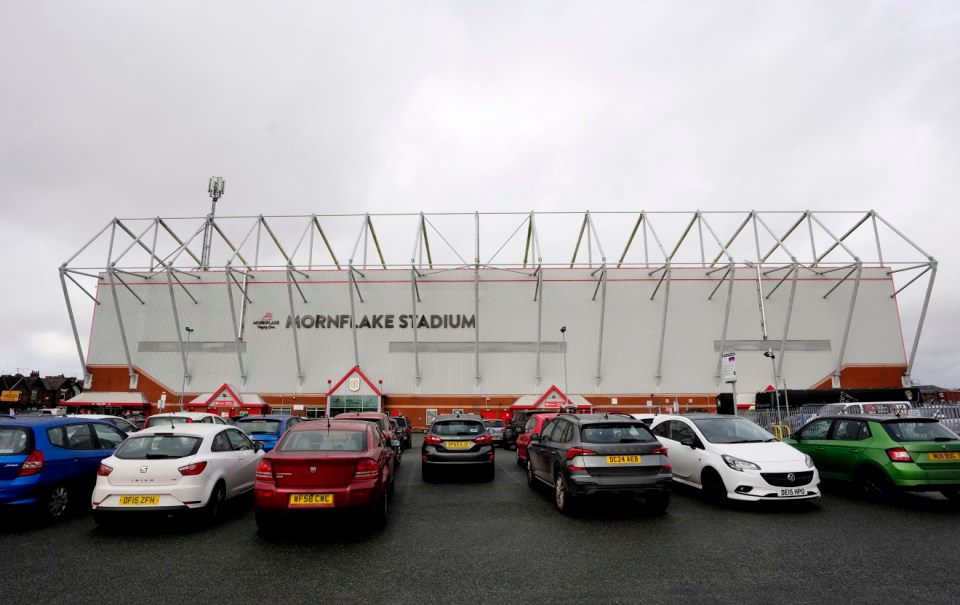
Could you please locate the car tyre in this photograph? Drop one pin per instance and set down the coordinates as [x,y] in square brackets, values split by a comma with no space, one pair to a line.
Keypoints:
[380,512]
[873,483]
[531,478]
[562,498]
[427,473]
[490,472]
[659,502]
[713,486]
[214,505]
[57,502]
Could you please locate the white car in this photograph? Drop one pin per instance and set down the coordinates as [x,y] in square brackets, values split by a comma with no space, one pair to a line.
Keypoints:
[731,457]
[121,423]
[182,418]
[195,466]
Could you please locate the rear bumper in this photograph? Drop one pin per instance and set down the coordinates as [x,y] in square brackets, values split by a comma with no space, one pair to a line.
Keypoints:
[639,486]
[267,497]
[22,491]
[910,477]
[431,456]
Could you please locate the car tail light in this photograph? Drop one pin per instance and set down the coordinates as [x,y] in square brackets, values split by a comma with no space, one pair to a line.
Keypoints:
[32,465]
[483,439]
[104,470]
[659,450]
[367,468]
[192,469]
[265,470]
[432,439]
[898,454]
[579,451]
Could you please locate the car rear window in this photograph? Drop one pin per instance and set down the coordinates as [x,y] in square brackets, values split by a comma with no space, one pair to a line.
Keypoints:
[324,440]
[401,421]
[250,427]
[911,430]
[493,423]
[617,432]
[168,420]
[158,447]
[15,440]
[457,428]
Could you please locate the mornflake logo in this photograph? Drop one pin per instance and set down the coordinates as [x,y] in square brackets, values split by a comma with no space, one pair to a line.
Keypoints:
[267,322]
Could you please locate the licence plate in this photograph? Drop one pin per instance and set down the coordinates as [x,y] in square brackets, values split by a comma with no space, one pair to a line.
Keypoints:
[793,491]
[457,445]
[139,500]
[623,459]
[311,499]
[943,455]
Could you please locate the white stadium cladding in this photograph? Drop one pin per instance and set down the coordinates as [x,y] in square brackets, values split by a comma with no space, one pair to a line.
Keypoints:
[276,310]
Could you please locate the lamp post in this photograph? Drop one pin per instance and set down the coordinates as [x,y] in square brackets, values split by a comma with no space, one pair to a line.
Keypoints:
[566,384]
[186,353]
[776,392]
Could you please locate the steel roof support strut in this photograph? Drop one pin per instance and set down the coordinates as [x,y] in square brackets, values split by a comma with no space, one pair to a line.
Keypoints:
[603,309]
[414,297]
[176,325]
[786,323]
[236,326]
[294,324]
[663,323]
[476,301]
[73,320]
[353,314]
[732,271]
[67,272]
[846,328]
[538,297]
[923,315]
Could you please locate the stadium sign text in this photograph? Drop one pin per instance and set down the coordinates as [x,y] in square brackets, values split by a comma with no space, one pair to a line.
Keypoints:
[388,321]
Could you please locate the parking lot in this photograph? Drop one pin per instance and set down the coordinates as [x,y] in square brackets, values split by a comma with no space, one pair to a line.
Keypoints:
[470,541]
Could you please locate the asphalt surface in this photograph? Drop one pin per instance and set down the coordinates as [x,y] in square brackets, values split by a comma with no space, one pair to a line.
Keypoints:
[466,541]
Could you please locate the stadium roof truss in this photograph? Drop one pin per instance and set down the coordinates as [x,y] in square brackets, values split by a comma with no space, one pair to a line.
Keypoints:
[763,244]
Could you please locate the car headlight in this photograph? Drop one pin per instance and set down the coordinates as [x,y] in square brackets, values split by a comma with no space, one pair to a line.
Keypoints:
[808,460]
[738,464]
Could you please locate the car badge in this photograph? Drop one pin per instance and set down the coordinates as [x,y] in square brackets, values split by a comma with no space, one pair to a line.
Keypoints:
[791,477]
[313,469]
[143,469]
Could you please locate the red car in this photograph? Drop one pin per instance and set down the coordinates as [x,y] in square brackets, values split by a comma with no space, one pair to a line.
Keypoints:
[325,465]
[383,421]
[533,425]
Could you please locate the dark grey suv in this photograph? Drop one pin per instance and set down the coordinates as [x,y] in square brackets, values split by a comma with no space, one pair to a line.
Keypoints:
[457,441]
[585,454]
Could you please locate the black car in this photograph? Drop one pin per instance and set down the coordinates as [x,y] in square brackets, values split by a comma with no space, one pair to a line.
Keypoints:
[404,431]
[515,426]
[586,454]
[457,441]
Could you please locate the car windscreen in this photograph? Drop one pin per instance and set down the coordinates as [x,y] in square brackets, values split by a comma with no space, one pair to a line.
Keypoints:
[158,447]
[732,430]
[168,420]
[493,424]
[617,432]
[913,430]
[401,421]
[457,428]
[15,440]
[324,440]
[271,427]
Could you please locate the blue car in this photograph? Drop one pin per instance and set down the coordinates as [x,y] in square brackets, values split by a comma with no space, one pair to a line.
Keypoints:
[50,463]
[266,429]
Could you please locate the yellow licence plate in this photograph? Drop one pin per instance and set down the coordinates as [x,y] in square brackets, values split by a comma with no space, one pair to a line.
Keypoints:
[311,499]
[943,455]
[139,500]
[623,459]
[457,445]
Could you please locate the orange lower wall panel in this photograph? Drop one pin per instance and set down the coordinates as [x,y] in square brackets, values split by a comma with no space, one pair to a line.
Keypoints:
[866,377]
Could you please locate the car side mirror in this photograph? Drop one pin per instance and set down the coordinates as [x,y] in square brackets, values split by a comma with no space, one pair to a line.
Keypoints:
[689,442]
[258,446]
[394,443]
[535,437]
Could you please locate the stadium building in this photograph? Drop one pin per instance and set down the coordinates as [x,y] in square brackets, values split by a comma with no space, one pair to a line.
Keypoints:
[420,314]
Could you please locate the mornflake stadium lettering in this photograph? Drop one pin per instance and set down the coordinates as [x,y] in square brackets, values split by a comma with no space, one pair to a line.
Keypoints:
[383,321]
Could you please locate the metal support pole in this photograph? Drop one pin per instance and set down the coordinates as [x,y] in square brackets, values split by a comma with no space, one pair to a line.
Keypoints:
[236,326]
[73,322]
[413,323]
[183,383]
[539,299]
[923,315]
[566,384]
[603,309]
[846,329]
[353,313]
[663,322]
[476,301]
[294,328]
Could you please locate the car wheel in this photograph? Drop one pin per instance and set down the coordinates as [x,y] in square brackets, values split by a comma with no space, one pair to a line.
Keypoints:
[215,503]
[658,503]
[380,512]
[57,503]
[531,479]
[266,522]
[713,487]
[426,473]
[562,498]
[399,456]
[874,483]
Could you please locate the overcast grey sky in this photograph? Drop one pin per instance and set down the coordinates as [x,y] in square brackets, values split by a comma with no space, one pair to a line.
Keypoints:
[126,108]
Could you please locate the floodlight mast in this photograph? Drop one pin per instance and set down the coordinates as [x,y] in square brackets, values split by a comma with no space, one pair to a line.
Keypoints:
[215,188]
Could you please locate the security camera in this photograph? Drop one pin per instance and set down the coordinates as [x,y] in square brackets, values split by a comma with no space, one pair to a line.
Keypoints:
[769,354]
[563,329]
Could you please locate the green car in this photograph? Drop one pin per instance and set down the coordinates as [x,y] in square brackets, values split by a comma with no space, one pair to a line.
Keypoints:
[883,454]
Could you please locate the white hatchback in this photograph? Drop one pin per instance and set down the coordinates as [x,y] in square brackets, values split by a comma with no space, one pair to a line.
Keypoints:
[172,418]
[186,467]
[731,457]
